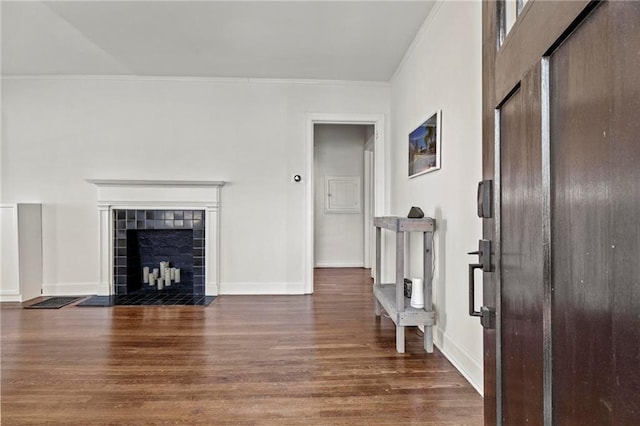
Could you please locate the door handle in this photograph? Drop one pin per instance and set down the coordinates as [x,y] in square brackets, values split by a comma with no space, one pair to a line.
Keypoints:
[485,313]
[472,293]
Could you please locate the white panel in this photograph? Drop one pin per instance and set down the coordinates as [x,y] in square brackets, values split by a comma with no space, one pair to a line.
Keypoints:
[9,269]
[30,252]
[343,194]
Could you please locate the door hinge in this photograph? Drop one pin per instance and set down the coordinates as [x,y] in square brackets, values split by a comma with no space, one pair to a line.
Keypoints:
[485,198]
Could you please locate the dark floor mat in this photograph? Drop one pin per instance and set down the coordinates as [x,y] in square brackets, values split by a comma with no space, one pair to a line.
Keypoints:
[149,299]
[53,303]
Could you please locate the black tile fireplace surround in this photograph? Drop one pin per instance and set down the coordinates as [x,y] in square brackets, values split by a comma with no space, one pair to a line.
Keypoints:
[146,237]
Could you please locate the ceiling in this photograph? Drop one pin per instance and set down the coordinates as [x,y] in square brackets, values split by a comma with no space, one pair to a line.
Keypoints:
[334,40]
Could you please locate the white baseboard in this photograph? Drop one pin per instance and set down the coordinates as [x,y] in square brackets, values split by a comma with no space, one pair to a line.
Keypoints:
[70,289]
[10,298]
[103,289]
[262,288]
[461,360]
[339,265]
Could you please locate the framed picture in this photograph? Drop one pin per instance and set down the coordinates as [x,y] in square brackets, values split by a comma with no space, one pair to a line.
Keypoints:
[424,146]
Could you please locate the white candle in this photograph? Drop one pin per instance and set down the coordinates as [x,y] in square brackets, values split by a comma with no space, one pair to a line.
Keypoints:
[156,271]
[173,273]
[152,279]
[167,276]
[160,283]
[145,274]
[163,266]
[177,275]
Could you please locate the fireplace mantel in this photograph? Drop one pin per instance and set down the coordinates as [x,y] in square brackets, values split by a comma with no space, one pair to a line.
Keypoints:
[159,194]
[165,183]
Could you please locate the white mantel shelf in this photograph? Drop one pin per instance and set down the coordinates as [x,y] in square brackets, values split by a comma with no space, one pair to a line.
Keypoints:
[165,183]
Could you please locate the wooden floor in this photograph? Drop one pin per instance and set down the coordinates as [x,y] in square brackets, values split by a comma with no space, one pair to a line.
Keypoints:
[248,360]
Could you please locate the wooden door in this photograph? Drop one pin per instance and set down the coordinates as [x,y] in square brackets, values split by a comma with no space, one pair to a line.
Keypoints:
[561,142]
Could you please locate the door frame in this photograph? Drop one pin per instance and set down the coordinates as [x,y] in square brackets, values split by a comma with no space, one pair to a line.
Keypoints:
[379,183]
[369,196]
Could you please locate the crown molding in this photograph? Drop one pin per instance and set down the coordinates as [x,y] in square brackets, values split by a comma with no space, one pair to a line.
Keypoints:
[215,80]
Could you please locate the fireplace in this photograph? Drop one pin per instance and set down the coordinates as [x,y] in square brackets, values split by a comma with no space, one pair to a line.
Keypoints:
[148,213]
[145,238]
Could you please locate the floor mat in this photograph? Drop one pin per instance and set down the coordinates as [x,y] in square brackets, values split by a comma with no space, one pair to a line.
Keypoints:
[53,303]
[149,299]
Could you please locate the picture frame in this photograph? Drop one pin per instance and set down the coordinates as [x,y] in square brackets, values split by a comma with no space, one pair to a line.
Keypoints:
[425,146]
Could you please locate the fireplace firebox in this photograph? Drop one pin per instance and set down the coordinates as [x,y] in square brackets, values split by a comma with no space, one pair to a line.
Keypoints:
[144,238]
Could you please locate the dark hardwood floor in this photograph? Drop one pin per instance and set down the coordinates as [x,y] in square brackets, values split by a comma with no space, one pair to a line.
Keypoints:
[249,360]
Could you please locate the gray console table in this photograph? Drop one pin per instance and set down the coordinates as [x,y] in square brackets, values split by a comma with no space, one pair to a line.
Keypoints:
[391,296]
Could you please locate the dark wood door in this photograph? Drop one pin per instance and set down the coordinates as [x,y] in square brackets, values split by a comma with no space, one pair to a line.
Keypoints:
[561,142]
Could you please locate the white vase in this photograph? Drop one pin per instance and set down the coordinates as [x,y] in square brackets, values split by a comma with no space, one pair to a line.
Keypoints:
[417,293]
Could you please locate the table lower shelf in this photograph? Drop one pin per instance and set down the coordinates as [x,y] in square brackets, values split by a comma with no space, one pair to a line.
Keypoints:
[386,296]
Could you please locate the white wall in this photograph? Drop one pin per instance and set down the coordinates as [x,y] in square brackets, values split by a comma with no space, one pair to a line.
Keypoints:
[338,238]
[59,131]
[443,71]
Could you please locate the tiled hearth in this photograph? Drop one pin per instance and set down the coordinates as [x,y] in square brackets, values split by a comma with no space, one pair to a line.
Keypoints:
[146,237]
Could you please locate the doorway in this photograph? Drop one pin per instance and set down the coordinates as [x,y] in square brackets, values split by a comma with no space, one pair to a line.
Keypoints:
[340,181]
[333,191]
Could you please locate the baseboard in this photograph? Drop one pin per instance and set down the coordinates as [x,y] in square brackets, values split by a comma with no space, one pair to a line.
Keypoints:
[70,289]
[261,288]
[10,298]
[461,360]
[103,289]
[339,265]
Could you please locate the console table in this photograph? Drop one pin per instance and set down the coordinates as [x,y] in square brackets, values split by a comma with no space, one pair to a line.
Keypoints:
[390,296]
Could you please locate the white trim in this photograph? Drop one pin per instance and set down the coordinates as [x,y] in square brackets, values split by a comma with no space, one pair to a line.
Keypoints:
[70,289]
[368,168]
[380,170]
[461,360]
[220,80]
[15,243]
[339,265]
[152,183]
[421,32]
[262,288]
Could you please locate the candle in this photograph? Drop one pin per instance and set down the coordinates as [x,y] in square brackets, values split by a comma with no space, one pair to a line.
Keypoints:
[160,283]
[155,273]
[167,276]
[177,275]
[145,274]
[152,279]
[163,266]
[173,273]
